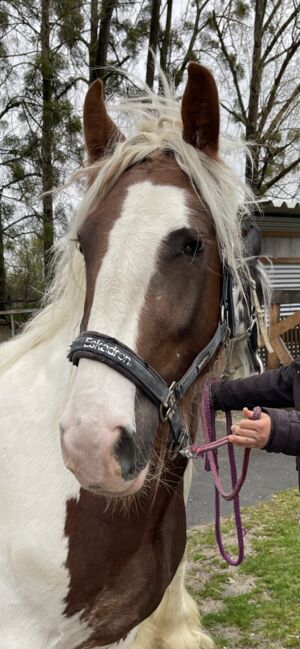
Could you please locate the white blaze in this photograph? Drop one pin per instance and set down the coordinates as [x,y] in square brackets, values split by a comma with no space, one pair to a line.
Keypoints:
[150,212]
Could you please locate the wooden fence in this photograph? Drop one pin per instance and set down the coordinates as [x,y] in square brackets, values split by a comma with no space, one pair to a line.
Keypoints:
[12,318]
[284,333]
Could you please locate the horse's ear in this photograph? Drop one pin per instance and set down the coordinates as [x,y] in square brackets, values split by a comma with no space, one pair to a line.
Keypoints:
[200,110]
[99,130]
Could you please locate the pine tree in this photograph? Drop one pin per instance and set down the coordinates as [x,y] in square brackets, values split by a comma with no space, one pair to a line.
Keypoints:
[41,134]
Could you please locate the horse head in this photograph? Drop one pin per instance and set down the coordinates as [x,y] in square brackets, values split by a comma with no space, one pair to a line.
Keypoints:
[151,235]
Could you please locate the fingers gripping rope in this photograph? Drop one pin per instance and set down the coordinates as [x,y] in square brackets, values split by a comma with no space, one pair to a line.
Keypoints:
[197,450]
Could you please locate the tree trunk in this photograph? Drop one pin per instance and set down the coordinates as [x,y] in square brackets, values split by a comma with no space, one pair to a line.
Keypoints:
[103,38]
[254,94]
[93,41]
[2,262]
[153,41]
[47,136]
[167,37]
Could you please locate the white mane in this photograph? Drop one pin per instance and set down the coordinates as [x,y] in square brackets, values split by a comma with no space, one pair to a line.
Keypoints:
[156,124]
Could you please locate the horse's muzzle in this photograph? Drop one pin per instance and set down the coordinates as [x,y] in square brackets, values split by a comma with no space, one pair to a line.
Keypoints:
[105,462]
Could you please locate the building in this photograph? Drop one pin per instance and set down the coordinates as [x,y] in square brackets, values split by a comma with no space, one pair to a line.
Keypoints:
[279,222]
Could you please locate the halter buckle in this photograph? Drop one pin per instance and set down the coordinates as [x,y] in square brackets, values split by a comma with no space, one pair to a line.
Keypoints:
[169,413]
[166,408]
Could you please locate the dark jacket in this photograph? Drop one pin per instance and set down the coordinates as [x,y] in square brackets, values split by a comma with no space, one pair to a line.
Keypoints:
[271,390]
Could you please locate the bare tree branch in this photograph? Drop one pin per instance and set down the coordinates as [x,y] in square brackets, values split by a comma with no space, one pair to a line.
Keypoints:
[231,67]
[237,116]
[283,172]
[272,14]
[278,33]
[281,113]
[276,85]
[23,218]
[12,103]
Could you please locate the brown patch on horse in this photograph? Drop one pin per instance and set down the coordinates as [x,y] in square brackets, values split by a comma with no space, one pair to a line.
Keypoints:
[200,110]
[100,131]
[120,565]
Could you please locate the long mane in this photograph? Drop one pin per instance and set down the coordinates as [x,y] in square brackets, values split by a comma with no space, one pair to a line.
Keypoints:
[155,125]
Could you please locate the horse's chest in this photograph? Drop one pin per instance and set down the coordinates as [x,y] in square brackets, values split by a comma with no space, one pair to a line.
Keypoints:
[34,585]
[81,575]
[120,564]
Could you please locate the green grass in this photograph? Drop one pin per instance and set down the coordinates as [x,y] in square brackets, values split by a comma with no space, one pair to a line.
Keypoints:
[256,605]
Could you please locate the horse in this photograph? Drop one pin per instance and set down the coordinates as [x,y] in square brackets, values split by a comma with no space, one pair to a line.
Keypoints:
[93,485]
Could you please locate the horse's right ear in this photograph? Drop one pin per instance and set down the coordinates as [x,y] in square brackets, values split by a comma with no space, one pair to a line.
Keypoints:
[99,130]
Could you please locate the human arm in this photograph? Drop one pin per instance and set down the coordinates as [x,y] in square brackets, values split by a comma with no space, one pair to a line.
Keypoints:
[273,388]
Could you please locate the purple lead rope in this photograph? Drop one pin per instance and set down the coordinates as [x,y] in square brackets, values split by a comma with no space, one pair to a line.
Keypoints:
[211,464]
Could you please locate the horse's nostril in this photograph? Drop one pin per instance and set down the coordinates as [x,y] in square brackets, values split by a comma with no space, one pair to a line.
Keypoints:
[126,454]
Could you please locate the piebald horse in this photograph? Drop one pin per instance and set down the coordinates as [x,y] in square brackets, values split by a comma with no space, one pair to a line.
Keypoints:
[92,496]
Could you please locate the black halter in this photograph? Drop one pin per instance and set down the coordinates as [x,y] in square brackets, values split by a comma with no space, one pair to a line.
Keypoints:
[112,352]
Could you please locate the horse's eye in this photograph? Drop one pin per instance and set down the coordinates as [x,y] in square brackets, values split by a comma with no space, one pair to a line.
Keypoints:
[192,248]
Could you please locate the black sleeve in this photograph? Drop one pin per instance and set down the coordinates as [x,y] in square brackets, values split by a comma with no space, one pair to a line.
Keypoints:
[285,432]
[273,389]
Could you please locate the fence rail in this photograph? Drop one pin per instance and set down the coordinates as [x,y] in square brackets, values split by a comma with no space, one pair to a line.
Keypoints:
[284,332]
[8,317]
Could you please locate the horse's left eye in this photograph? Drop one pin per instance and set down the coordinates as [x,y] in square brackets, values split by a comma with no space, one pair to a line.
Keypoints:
[192,248]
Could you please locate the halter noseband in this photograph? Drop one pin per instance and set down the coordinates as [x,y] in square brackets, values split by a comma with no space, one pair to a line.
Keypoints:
[112,352]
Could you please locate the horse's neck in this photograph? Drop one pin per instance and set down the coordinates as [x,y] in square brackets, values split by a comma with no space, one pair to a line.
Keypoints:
[33,391]
[36,384]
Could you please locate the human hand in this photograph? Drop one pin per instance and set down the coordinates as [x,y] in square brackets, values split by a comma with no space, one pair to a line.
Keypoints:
[251,433]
